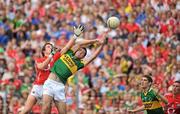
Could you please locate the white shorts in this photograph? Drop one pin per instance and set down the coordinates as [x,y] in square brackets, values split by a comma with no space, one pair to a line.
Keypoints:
[54,89]
[37,91]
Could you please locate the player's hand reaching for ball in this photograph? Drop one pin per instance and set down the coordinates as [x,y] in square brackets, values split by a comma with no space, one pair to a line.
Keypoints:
[104,39]
[96,42]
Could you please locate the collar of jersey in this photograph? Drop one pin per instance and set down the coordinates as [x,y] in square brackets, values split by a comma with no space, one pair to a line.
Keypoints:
[145,93]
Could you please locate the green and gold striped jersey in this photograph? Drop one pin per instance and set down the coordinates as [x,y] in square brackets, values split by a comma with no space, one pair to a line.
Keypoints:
[151,103]
[67,65]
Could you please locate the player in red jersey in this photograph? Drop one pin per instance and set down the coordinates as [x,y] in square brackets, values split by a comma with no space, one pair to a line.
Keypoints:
[173,98]
[42,65]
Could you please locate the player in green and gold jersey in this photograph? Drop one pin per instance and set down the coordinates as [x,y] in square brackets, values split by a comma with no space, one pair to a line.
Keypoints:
[150,98]
[71,60]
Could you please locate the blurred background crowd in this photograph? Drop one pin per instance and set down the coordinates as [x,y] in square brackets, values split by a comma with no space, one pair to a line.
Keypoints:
[146,42]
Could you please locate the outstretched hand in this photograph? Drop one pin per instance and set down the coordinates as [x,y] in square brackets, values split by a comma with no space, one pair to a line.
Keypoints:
[104,38]
[78,30]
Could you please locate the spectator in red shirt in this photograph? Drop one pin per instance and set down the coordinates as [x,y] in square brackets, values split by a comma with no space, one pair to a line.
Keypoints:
[173,98]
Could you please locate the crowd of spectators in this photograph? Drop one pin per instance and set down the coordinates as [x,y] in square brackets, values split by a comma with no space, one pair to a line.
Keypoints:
[146,42]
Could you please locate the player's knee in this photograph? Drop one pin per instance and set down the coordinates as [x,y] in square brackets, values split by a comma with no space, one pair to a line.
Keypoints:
[46,106]
[25,111]
[62,112]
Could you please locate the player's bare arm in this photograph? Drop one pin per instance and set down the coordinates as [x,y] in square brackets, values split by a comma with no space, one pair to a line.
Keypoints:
[95,54]
[83,43]
[45,63]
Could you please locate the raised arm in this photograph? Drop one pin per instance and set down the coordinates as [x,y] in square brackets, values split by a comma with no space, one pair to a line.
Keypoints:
[83,43]
[95,54]
[44,64]
[77,33]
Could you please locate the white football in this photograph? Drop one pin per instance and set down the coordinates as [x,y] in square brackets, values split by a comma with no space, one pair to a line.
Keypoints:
[113,22]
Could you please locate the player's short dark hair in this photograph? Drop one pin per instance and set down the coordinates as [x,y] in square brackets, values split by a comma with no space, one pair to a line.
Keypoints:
[148,77]
[85,51]
[43,48]
[177,81]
